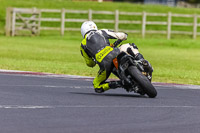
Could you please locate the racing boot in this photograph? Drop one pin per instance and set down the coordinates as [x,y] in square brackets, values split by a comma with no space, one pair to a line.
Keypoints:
[112,85]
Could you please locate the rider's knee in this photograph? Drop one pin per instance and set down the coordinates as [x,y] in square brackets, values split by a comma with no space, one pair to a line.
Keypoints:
[99,90]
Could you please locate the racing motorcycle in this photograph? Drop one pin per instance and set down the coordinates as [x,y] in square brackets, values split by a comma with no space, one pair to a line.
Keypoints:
[134,74]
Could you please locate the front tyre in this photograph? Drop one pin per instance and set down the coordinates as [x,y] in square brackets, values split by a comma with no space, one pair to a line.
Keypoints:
[142,81]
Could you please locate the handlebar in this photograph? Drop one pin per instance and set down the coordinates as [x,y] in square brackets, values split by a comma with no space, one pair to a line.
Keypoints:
[117,43]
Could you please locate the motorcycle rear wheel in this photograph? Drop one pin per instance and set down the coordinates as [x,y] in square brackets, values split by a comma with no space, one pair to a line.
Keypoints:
[142,81]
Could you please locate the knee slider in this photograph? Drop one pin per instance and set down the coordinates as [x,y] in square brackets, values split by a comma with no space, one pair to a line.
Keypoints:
[99,90]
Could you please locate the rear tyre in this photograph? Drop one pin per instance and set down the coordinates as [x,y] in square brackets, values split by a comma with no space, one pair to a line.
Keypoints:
[143,82]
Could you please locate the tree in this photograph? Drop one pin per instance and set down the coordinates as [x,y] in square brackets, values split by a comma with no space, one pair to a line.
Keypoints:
[192,1]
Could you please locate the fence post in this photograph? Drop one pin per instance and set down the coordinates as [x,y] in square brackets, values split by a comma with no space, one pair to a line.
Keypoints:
[195,27]
[90,15]
[116,20]
[169,22]
[13,21]
[34,27]
[143,23]
[39,22]
[62,21]
[8,21]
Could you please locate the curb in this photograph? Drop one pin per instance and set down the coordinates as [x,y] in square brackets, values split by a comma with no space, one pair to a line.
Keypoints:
[3,71]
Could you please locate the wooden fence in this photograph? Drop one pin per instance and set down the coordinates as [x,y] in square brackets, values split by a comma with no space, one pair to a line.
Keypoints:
[33,22]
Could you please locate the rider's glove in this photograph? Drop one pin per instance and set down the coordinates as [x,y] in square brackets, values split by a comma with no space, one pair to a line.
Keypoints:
[126,36]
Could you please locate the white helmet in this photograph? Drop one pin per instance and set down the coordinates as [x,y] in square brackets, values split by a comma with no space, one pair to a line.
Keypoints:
[88,26]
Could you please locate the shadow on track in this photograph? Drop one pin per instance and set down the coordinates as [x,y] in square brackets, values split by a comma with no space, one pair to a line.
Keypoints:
[110,94]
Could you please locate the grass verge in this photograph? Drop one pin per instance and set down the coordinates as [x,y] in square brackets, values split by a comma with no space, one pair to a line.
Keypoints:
[174,61]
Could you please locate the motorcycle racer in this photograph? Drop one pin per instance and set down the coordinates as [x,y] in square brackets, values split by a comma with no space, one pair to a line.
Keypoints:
[96,49]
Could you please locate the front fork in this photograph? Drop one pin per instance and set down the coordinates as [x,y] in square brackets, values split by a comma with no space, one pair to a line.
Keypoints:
[146,69]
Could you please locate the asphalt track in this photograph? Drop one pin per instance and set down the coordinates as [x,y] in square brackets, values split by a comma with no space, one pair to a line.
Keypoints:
[64,104]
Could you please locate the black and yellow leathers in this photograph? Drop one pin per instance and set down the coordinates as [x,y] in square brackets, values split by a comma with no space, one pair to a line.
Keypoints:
[96,49]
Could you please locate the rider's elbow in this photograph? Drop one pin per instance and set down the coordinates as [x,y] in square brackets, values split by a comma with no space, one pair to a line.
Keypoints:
[90,64]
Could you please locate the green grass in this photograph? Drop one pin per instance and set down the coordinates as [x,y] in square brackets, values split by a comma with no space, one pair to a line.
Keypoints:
[174,61]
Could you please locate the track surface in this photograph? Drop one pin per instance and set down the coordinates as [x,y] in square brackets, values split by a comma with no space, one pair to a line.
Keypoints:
[48,104]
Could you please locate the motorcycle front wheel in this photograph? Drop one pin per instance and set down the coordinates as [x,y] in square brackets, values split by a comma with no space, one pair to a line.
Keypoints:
[142,81]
